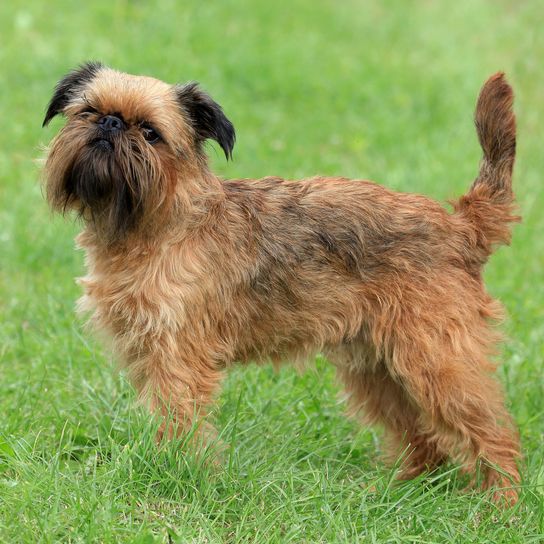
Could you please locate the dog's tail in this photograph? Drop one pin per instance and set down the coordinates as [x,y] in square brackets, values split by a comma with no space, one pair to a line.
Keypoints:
[489,204]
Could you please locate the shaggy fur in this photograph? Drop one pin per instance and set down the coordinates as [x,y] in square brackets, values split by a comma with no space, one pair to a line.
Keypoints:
[188,273]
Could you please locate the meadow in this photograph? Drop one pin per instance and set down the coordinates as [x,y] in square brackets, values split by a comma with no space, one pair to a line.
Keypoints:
[381,90]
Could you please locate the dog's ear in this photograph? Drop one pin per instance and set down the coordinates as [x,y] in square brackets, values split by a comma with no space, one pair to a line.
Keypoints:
[207,117]
[66,87]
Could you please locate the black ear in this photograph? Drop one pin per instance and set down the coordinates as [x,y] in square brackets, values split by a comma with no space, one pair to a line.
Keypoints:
[67,85]
[207,117]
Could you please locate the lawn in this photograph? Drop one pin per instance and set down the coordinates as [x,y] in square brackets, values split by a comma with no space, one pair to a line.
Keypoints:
[382,90]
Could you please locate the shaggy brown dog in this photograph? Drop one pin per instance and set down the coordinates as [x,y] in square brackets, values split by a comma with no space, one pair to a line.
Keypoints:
[189,273]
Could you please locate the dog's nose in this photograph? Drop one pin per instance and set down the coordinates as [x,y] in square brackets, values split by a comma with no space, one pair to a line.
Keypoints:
[111,123]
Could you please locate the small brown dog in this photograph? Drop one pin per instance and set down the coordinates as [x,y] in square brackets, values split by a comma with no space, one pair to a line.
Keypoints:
[189,273]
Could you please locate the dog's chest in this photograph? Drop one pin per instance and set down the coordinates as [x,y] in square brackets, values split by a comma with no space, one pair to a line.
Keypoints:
[141,291]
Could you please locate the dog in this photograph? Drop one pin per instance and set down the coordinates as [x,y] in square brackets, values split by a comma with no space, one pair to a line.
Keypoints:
[189,273]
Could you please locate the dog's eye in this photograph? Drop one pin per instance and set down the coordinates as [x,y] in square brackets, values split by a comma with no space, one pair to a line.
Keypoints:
[151,135]
[87,110]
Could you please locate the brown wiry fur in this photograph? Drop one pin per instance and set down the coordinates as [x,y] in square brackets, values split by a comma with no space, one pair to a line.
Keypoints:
[210,272]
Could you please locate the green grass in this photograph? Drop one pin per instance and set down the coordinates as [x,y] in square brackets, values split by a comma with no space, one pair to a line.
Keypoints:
[381,90]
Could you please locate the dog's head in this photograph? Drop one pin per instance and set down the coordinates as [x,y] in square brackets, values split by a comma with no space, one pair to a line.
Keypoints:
[127,144]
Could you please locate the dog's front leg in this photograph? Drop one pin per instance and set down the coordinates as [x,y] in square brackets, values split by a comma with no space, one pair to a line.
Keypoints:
[177,386]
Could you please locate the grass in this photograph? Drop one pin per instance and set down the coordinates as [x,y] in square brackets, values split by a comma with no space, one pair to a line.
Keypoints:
[382,90]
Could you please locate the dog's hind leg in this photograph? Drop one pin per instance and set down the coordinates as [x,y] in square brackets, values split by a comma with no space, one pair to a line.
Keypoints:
[375,397]
[441,364]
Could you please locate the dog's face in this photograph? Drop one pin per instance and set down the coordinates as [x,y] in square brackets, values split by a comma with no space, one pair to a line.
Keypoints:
[128,143]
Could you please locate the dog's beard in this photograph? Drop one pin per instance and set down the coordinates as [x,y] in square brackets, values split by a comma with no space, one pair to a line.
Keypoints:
[111,182]
[103,188]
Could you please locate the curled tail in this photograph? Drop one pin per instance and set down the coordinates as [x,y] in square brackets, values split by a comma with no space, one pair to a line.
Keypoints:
[489,204]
